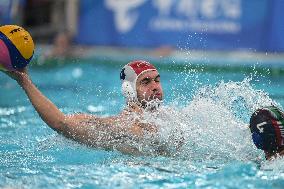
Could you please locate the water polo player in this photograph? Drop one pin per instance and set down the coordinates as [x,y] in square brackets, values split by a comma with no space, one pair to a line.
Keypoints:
[266,125]
[140,85]
[141,90]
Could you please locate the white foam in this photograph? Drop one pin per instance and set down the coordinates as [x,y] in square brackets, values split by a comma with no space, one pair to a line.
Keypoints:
[276,164]
[11,111]
[214,125]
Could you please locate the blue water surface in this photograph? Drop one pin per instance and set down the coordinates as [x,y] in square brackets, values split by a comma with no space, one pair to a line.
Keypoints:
[34,156]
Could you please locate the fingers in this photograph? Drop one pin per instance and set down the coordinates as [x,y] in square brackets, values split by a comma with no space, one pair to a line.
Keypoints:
[134,107]
[17,74]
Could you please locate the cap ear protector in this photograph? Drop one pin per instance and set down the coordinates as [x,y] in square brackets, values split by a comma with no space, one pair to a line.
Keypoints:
[128,91]
[266,125]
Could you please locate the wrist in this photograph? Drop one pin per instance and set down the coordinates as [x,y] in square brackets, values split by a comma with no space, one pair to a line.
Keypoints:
[22,78]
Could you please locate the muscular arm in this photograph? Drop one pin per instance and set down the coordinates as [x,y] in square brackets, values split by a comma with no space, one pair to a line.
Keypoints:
[48,112]
[84,128]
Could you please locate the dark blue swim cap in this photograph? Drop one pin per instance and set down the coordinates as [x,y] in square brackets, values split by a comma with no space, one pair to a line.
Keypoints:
[266,125]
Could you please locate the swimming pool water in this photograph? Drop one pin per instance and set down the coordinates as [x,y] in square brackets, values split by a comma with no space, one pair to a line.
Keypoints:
[212,109]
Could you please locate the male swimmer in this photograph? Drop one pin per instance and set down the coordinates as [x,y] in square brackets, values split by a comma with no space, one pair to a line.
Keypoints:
[140,85]
[267,127]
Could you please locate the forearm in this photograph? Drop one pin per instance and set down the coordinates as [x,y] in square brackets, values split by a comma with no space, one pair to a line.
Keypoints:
[49,113]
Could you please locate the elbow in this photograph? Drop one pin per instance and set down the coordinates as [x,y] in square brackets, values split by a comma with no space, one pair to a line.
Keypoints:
[60,124]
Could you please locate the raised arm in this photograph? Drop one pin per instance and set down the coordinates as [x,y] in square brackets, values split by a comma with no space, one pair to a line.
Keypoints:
[84,128]
[49,113]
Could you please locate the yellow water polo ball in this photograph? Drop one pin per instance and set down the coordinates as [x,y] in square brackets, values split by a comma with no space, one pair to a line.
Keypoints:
[16,47]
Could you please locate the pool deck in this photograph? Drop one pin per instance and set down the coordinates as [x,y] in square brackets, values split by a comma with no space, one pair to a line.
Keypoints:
[166,56]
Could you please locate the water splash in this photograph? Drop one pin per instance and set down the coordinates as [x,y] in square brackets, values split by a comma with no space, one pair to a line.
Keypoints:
[276,164]
[214,125]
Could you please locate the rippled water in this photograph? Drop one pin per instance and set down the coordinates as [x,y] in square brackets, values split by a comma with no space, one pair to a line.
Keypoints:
[210,111]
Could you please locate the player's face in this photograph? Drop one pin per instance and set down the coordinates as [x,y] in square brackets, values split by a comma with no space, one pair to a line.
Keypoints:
[148,87]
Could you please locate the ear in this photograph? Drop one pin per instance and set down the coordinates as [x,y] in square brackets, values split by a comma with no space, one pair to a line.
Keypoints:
[128,91]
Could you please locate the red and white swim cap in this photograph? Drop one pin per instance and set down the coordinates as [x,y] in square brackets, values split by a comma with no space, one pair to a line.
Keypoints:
[129,74]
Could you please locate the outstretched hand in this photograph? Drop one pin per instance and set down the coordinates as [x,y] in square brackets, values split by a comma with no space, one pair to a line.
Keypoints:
[18,74]
[134,107]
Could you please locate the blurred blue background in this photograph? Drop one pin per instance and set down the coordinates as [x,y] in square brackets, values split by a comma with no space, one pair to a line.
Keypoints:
[198,24]
[194,24]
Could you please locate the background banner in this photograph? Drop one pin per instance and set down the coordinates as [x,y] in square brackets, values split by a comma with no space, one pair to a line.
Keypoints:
[5,12]
[191,24]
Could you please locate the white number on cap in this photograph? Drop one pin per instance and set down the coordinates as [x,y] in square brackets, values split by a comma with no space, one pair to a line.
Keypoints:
[260,126]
